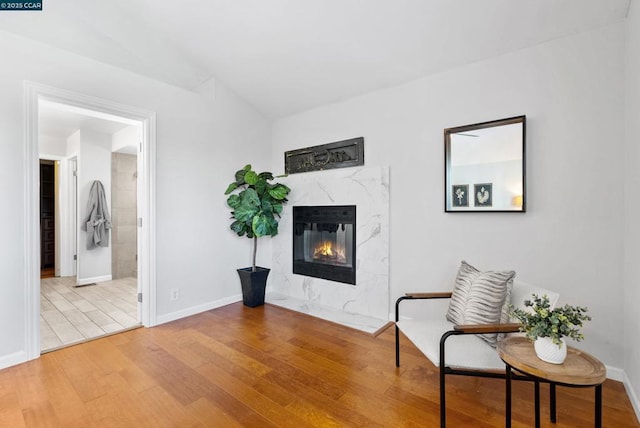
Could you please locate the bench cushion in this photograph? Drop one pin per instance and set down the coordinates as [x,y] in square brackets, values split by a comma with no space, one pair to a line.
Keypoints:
[464,352]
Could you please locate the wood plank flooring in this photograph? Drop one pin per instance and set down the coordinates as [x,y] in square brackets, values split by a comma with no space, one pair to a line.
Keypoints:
[47,272]
[266,367]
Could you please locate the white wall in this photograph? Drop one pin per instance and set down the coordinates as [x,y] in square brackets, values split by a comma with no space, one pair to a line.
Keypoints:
[73,144]
[125,138]
[570,240]
[67,237]
[632,206]
[201,142]
[94,163]
[51,146]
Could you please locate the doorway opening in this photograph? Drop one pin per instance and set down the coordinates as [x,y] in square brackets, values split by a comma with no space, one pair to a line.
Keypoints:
[48,217]
[95,289]
[91,149]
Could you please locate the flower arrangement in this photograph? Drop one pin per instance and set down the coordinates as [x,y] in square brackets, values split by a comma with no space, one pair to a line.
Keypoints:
[555,323]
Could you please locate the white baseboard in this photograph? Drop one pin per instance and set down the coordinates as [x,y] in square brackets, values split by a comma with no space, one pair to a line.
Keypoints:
[85,281]
[615,373]
[13,359]
[172,316]
[632,396]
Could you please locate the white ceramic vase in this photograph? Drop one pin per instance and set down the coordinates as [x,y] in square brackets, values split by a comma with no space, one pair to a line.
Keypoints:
[550,352]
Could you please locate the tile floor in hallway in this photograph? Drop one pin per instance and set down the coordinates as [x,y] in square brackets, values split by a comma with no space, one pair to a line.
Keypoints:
[71,314]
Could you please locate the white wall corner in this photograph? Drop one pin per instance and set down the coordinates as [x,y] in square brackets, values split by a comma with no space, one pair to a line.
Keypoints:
[633,397]
[207,89]
[615,373]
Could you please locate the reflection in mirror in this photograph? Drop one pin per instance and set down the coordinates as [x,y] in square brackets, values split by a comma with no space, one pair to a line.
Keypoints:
[485,166]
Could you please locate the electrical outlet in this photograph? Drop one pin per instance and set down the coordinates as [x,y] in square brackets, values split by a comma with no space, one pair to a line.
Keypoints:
[175,294]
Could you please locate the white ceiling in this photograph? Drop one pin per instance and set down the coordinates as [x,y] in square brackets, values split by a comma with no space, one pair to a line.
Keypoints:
[287,56]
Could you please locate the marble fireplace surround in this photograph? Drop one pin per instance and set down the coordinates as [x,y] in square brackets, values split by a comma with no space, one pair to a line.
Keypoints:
[365,305]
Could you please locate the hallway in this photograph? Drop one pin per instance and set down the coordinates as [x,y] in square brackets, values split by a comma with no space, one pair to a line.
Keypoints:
[70,315]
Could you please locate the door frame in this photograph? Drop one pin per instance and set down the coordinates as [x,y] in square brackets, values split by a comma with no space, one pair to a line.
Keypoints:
[33,93]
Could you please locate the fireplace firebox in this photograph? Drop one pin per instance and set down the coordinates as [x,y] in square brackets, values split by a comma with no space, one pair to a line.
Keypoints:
[324,242]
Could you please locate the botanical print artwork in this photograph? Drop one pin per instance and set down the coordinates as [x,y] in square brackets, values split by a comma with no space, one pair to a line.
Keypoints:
[483,194]
[460,195]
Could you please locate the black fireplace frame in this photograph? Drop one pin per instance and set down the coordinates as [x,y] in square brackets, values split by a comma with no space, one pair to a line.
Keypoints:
[341,214]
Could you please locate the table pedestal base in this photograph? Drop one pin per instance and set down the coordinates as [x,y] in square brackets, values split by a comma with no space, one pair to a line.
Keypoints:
[552,397]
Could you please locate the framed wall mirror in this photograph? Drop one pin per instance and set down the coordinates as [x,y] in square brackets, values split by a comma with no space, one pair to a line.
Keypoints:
[485,167]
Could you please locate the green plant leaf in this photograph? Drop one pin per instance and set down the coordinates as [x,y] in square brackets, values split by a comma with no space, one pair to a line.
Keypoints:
[261,186]
[231,188]
[240,177]
[266,175]
[239,227]
[265,225]
[251,178]
[244,213]
[279,191]
[266,206]
[250,197]
[248,206]
[233,201]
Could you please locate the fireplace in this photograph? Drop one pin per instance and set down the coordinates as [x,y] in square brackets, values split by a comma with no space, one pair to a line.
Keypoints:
[324,242]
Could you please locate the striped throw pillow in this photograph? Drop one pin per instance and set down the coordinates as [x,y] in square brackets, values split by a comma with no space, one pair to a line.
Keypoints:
[481,298]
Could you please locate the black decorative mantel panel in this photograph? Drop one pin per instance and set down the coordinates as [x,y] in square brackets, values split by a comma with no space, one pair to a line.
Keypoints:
[341,154]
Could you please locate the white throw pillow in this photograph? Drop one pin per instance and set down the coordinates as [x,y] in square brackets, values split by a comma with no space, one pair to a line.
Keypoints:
[481,298]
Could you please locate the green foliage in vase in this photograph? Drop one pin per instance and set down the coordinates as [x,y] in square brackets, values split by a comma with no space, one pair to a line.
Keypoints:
[256,206]
[554,323]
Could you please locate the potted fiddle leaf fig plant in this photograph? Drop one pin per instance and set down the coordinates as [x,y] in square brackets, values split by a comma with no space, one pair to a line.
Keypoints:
[547,327]
[257,205]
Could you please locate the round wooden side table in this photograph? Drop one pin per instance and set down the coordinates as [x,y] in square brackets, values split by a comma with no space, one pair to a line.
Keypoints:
[579,370]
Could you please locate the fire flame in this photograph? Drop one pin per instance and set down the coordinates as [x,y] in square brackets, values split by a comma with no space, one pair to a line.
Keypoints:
[327,250]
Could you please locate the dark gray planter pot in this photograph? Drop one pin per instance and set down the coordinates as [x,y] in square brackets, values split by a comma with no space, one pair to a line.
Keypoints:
[253,285]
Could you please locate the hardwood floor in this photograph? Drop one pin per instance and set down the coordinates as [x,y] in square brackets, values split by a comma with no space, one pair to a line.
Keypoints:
[266,367]
[47,273]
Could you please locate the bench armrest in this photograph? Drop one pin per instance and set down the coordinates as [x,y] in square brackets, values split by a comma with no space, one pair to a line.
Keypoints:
[436,295]
[420,296]
[487,328]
